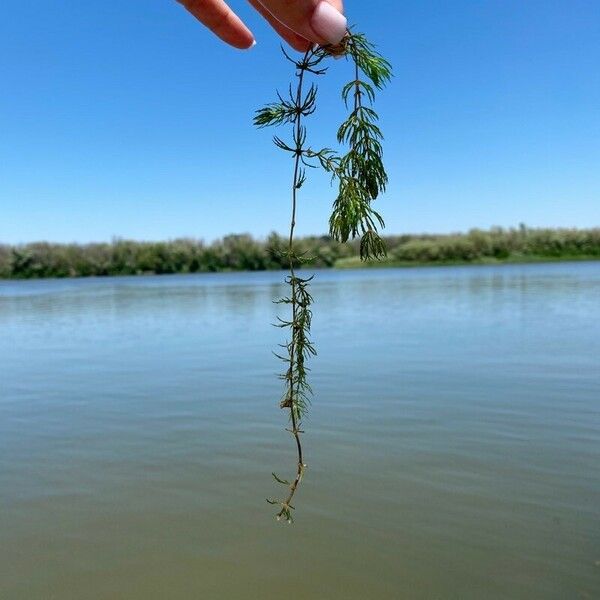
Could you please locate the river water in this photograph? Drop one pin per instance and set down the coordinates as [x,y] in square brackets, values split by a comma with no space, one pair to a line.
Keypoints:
[453,443]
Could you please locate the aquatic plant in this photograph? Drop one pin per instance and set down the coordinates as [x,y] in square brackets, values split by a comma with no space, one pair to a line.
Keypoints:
[360,177]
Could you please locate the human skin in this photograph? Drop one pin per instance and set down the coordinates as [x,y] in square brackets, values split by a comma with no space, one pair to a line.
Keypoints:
[299,22]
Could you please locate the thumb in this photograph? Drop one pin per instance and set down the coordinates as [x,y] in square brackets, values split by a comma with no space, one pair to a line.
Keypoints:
[319,21]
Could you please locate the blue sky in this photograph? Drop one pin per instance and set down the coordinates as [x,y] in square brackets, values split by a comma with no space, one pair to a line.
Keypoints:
[129,119]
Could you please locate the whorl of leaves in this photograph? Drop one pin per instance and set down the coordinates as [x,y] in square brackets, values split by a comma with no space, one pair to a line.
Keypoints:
[297,392]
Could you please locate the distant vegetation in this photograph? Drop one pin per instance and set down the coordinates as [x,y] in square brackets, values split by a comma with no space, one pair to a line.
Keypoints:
[243,253]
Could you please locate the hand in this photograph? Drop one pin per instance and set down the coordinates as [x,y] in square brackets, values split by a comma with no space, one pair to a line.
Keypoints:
[299,22]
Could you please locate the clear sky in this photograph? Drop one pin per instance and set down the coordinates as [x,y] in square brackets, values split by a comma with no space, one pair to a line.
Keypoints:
[127,118]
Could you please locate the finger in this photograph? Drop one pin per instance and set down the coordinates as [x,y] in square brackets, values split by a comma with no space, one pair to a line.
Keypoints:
[319,21]
[222,21]
[293,39]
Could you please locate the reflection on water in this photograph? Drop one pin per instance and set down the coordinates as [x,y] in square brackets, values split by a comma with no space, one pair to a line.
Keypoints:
[453,445]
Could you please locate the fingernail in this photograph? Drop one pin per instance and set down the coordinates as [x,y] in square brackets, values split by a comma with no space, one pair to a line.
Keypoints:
[329,23]
[252,45]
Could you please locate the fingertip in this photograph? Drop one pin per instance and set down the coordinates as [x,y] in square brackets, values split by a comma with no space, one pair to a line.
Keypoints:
[222,21]
[241,42]
[248,46]
[240,36]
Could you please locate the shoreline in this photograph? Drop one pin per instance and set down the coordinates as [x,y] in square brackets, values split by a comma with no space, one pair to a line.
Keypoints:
[343,264]
[355,262]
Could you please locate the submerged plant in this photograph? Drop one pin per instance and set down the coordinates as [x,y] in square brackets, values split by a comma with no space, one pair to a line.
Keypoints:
[360,177]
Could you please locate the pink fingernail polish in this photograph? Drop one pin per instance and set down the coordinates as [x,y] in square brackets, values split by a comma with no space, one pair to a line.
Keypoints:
[329,23]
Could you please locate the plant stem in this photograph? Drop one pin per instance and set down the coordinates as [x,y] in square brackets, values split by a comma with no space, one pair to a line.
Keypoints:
[286,505]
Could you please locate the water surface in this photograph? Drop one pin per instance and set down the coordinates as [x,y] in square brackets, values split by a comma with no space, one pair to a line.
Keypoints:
[453,445]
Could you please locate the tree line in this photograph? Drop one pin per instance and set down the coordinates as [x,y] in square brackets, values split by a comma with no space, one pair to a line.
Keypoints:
[244,253]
